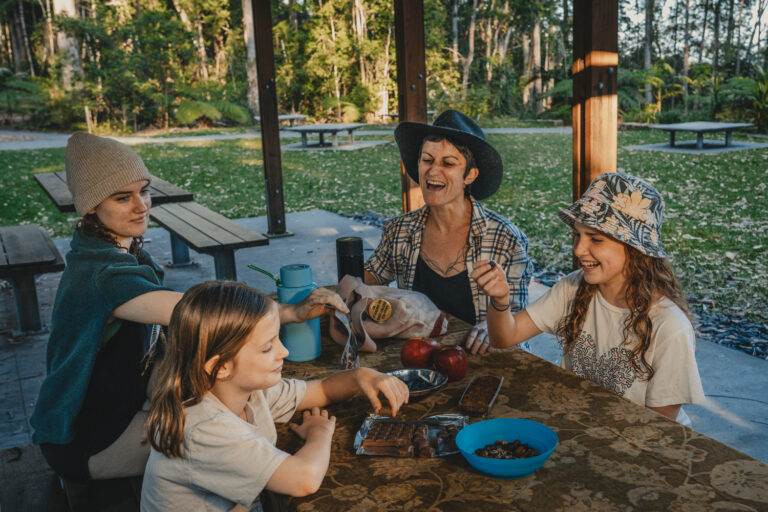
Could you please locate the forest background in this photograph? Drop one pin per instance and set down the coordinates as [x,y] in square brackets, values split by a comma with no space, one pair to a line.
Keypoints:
[129,65]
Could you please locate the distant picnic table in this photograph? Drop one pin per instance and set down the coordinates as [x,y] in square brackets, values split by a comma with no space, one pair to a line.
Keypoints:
[291,118]
[322,129]
[700,127]
[430,113]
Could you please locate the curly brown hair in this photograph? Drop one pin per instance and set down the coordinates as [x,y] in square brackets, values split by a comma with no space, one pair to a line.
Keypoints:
[648,280]
[90,225]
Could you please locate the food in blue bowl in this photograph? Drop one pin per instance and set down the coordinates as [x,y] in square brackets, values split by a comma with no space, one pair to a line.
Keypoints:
[484,433]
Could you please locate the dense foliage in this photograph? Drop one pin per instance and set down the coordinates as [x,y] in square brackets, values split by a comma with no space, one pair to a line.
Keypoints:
[128,65]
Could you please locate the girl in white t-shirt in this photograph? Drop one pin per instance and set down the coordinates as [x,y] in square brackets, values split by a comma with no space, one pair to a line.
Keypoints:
[622,318]
[218,395]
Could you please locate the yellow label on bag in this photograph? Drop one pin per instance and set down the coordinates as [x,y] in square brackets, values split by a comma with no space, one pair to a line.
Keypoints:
[379,310]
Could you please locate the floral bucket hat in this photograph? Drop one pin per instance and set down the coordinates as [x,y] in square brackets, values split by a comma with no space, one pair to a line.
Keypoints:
[623,207]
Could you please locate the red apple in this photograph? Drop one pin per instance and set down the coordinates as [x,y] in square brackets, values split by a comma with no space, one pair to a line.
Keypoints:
[417,352]
[451,361]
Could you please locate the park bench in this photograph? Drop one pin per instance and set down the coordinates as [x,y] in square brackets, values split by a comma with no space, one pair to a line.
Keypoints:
[291,118]
[193,225]
[27,251]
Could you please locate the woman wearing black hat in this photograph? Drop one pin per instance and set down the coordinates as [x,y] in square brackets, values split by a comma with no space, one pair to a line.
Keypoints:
[447,247]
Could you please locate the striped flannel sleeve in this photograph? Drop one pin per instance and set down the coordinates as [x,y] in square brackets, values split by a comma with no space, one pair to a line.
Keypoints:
[381,263]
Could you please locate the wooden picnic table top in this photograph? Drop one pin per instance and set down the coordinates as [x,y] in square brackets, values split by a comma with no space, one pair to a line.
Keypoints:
[325,127]
[700,126]
[612,453]
[55,186]
[285,117]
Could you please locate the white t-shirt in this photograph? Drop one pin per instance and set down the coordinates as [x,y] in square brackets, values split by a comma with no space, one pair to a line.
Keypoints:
[599,355]
[225,460]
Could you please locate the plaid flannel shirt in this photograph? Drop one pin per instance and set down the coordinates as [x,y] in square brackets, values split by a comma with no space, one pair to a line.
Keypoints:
[491,237]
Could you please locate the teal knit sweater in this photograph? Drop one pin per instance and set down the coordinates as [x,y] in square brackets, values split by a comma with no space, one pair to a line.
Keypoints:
[98,279]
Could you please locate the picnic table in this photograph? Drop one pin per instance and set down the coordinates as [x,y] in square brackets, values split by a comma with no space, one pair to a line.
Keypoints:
[612,454]
[430,113]
[55,186]
[324,128]
[700,127]
[291,118]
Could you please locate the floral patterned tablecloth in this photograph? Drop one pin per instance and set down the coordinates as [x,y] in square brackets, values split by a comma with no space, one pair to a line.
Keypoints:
[613,454]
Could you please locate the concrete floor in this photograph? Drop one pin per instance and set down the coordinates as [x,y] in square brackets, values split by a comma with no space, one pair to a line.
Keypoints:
[737,412]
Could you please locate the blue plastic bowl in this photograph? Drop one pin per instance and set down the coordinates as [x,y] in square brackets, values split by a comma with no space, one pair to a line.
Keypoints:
[483,433]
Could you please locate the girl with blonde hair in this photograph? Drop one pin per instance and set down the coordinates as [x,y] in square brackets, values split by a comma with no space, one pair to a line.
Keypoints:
[622,318]
[219,393]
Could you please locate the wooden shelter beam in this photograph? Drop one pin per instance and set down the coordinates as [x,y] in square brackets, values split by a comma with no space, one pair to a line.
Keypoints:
[270,128]
[595,100]
[411,81]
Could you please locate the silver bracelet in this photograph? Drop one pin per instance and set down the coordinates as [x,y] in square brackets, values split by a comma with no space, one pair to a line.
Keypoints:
[497,306]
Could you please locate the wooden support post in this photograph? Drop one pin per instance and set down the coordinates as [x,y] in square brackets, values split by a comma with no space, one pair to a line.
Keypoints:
[595,102]
[411,81]
[270,128]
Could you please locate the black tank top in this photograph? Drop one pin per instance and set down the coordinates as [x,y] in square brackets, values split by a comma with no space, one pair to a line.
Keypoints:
[451,294]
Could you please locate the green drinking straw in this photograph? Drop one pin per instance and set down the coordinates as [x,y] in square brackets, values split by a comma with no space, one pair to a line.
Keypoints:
[266,273]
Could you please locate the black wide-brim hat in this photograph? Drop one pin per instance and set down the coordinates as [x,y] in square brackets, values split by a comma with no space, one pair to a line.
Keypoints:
[461,129]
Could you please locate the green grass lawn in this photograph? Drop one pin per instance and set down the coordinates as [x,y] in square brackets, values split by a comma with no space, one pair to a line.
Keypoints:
[715,228]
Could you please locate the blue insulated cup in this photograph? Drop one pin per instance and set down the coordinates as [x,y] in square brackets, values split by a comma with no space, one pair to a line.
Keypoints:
[302,340]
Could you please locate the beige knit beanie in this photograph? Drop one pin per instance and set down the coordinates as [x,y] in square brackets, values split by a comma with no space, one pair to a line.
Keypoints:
[98,167]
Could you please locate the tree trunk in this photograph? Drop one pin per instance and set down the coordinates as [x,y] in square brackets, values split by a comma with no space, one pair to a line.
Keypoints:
[716,41]
[703,30]
[455,32]
[648,37]
[198,40]
[17,45]
[470,49]
[25,38]
[686,51]
[201,47]
[527,70]
[252,95]
[738,37]
[565,27]
[760,10]
[360,29]
[489,46]
[336,78]
[383,78]
[292,18]
[68,46]
[536,51]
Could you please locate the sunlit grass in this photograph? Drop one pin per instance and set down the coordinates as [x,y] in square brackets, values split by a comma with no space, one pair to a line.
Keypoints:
[715,229]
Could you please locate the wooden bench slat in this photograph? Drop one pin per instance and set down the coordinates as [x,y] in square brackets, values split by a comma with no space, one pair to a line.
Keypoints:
[26,245]
[161,188]
[55,185]
[171,221]
[205,230]
[231,226]
[199,223]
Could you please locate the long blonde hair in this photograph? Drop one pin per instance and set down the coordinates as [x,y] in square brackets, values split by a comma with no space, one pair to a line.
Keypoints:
[212,319]
[648,279]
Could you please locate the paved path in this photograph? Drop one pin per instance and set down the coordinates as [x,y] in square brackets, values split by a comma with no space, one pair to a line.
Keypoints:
[13,140]
[734,382]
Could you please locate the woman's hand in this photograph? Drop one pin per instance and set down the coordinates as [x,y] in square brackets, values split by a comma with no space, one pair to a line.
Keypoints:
[314,422]
[321,301]
[477,341]
[491,280]
[372,383]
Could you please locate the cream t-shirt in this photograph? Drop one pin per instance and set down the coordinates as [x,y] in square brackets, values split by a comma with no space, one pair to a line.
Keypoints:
[225,460]
[599,355]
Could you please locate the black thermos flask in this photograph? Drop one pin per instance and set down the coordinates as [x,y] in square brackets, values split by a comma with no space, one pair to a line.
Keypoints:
[349,256]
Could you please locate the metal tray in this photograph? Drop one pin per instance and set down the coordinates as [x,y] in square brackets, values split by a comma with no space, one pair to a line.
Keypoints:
[420,381]
[479,410]
[434,425]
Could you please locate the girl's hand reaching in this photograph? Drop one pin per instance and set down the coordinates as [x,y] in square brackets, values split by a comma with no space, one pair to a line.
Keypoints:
[314,423]
[372,383]
[321,301]
[491,280]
